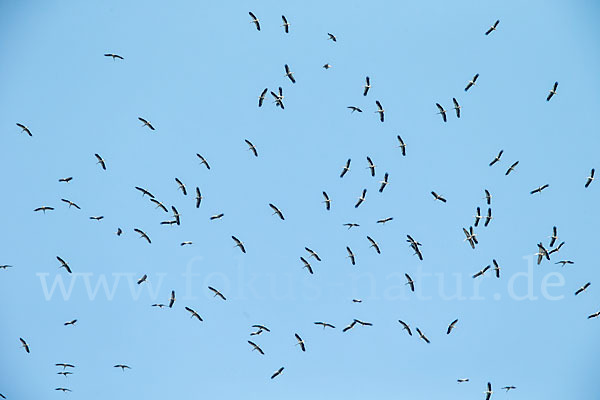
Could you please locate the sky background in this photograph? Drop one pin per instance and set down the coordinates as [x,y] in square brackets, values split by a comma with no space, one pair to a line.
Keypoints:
[195,70]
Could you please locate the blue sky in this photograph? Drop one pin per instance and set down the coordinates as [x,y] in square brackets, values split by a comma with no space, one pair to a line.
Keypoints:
[195,70]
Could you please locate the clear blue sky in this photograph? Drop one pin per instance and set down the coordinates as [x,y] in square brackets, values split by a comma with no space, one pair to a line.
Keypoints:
[195,70]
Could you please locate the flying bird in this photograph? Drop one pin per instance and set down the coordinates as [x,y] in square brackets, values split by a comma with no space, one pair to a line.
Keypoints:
[405,327]
[456,107]
[276,211]
[307,265]
[384,182]
[477,216]
[512,168]
[351,255]
[142,279]
[384,220]
[142,234]
[122,366]
[114,56]
[492,28]
[374,244]
[251,147]
[361,198]
[203,161]
[286,25]
[24,129]
[327,66]
[488,197]
[496,268]
[261,98]
[325,325]
[119,232]
[497,158]
[380,110]
[256,347]
[66,180]
[277,373]
[472,82]
[194,314]
[353,108]
[438,197]
[594,315]
[239,244]
[159,204]
[70,203]
[181,186]
[216,292]
[300,342]
[327,201]
[552,91]
[554,236]
[480,273]
[44,209]
[402,145]
[289,73]
[451,326]
[24,344]
[312,254]
[422,336]
[65,365]
[565,262]
[144,192]
[100,161]
[367,86]
[63,264]
[331,37]
[62,389]
[146,123]
[508,388]
[351,225]
[488,217]
[72,322]
[410,282]
[539,189]
[64,373]
[489,391]
[217,216]
[254,21]
[371,166]
[583,288]
[590,178]
[186,243]
[97,217]
[442,112]
[346,168]
[462,380]
[172,299]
